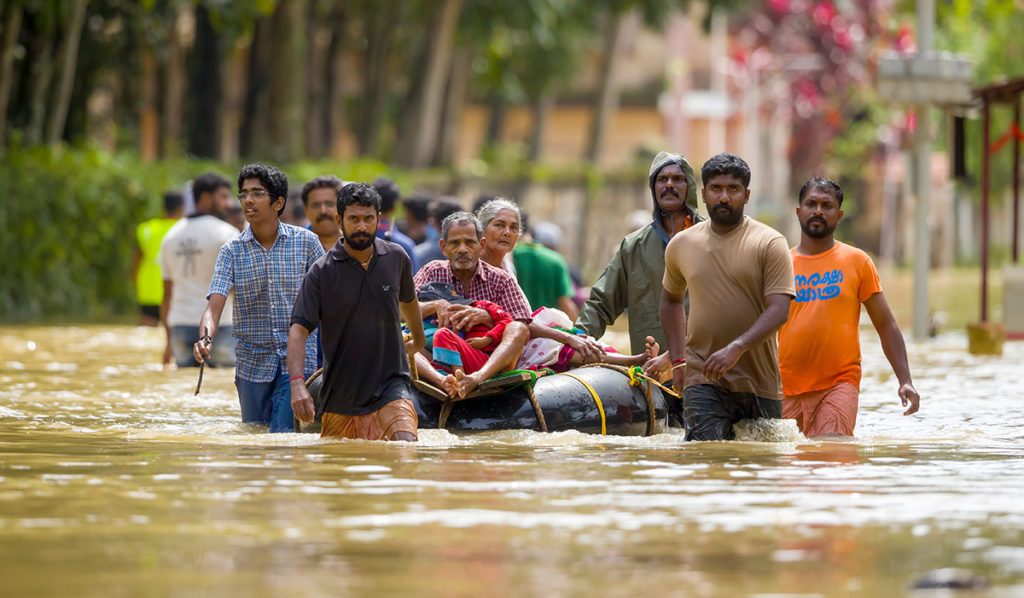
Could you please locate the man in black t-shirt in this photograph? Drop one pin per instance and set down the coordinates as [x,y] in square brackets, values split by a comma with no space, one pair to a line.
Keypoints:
[359,292]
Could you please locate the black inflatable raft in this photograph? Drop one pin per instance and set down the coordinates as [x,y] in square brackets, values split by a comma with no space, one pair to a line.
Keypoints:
[592,399]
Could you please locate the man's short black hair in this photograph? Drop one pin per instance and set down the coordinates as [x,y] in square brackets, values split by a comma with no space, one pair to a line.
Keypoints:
[272,179]
[328,181]
[388,192]
[821,184]
[481,200]
[728,164]
[442,208]
[359,194]
[173,200]
[417,205]
[208,182]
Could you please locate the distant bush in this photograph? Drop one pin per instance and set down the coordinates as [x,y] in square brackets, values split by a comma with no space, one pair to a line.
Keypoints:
[68,218]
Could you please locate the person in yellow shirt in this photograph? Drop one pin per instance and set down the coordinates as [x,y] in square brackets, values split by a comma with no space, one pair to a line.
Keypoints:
[149,284]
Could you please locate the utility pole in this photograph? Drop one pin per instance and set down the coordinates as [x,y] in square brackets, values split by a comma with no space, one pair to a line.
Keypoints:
[922,172]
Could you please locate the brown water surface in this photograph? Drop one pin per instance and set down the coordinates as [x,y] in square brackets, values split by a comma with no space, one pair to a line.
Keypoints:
[115,480]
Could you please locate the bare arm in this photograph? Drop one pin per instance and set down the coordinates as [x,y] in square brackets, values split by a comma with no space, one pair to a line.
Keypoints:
[302,403]
[208,325]
[673,321]
[453,315]
[588,349]
[771,319]
[411,313]
[895,349]
[567,305]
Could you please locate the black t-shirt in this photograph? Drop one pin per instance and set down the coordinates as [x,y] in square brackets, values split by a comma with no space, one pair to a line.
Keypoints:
[361,326]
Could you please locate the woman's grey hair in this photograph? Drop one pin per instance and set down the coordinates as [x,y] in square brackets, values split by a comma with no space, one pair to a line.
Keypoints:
[461,218]
[489,210]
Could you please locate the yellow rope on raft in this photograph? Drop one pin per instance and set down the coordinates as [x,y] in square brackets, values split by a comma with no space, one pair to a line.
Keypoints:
[593,393]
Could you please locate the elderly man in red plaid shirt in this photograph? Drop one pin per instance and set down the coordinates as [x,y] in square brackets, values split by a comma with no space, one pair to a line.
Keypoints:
[477,281]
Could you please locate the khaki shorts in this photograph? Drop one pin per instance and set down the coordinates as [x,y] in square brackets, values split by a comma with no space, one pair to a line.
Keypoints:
[829,411]
[382,424]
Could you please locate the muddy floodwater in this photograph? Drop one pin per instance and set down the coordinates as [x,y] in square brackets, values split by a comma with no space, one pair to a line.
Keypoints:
[116,481]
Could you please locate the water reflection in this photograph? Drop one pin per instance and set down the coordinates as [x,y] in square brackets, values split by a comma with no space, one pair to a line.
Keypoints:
[114,475]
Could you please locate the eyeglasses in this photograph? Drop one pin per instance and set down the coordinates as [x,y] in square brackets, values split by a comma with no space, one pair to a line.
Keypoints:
[255,194]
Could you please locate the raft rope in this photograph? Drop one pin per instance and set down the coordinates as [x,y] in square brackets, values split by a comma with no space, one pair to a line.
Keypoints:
[597,399]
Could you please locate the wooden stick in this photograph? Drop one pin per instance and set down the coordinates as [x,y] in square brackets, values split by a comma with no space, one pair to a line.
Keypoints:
[202,366]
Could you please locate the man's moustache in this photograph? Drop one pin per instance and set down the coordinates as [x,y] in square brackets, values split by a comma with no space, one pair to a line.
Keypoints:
[324,217]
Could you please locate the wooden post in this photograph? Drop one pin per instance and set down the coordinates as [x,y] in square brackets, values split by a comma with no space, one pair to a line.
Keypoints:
[984,206]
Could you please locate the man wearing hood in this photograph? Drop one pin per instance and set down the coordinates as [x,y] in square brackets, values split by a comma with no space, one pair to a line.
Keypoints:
[632,279]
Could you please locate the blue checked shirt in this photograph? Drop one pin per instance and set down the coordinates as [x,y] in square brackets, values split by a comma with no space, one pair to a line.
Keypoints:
[265,284]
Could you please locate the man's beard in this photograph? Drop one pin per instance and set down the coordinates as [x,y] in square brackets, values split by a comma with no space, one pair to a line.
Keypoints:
[822,233]
[730,217]
[359,241]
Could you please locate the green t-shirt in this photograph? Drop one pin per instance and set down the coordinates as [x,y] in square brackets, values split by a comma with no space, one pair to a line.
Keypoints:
[149,284]
[542,274]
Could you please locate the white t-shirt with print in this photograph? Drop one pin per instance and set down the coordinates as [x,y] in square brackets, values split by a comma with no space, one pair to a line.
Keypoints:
[187,256]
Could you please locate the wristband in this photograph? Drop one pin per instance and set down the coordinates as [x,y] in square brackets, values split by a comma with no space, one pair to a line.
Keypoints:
[678,361]
[297,377]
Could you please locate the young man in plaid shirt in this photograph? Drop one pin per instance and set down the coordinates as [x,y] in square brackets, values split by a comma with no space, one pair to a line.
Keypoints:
[264,267]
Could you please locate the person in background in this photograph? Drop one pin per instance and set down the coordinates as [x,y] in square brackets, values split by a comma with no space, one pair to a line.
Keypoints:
[549,235]
[149,286]
[295,215]
[819,346]
[543,274]
[389,196]
[632,279]
[417,218]
[264,266]
[320,201]
[187,257]
[430,250]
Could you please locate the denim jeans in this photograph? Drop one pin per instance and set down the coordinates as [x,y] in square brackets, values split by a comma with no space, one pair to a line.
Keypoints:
[710,411]
[267,403]
[222,355]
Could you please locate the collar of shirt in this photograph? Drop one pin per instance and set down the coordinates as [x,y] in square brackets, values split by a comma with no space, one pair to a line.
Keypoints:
[282,231]
[339,254]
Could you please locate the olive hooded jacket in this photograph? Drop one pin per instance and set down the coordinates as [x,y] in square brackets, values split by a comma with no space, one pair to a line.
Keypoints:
[632,279]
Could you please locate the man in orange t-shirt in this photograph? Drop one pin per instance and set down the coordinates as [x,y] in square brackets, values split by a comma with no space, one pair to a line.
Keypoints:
[819,346]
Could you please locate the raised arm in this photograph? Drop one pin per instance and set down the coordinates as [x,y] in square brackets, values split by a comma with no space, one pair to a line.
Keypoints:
[771,319]
[895,349]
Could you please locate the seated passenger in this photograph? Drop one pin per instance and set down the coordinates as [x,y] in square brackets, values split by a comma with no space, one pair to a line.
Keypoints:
[477,281]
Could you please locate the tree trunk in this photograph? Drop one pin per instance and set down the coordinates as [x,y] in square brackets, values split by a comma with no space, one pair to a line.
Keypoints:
[12,27]
[335,78]
[380,35]
[496,121]
[541,111]
[232,108]
[41,74]
[317,81]
[253,136]
[149,117]
[174,82]
[204,87]
[608,92]
[286,66]
[66,76]
[458,84]
[425,128]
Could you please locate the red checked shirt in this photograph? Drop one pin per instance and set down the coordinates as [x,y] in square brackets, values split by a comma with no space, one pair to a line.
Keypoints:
[488,284]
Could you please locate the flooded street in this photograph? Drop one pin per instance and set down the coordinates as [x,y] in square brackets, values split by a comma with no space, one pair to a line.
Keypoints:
[115,480]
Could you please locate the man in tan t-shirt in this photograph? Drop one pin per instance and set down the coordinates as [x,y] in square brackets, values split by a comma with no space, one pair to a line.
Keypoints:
[740,280]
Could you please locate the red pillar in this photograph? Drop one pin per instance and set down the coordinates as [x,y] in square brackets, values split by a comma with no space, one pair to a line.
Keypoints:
[984,209]
[1016,178]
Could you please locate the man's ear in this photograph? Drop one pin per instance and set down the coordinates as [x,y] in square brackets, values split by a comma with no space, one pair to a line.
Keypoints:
[442,244]
[278,207]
